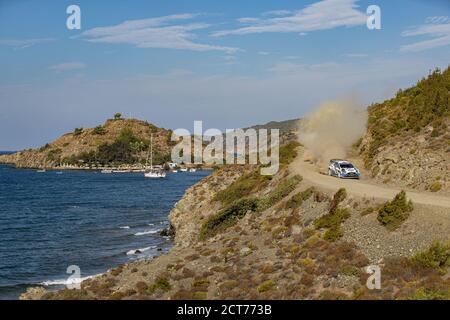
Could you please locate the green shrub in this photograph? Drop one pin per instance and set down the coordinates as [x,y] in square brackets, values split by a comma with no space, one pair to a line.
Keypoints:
[99,130]
[199,295]
[237,209]
[266,286]
[284,188]
[428,294]
[338,197]
[227,217]
[54,155]
[43,148]
[288,152]
[77,131]
[297,200]
[161,283]
[332,219]
[242,187]
[435,186]
[332,223]
[437,257]
[350,270]
[200,285]
[393,213]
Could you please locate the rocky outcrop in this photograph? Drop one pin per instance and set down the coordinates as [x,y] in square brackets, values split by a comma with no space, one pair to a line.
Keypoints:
[87,140]
[197,204]
[417,161]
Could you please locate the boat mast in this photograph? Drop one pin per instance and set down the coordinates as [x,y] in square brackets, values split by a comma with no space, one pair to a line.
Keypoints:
[151,151]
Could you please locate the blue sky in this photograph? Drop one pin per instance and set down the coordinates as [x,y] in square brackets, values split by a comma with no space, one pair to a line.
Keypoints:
[228,63]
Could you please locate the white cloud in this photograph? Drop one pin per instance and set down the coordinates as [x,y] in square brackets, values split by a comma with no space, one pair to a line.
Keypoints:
[440,34]
[160,32]
[248,20]
[67,66]
[322,15]
[263,53]
[277,13]
[23,43]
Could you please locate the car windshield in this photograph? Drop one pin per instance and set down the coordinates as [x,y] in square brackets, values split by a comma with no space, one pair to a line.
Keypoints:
[346,165]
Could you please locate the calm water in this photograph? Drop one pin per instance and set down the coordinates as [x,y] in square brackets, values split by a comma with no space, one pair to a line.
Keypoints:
[51,220]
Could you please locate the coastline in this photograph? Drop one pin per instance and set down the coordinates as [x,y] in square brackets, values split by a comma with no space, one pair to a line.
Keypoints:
[125,237]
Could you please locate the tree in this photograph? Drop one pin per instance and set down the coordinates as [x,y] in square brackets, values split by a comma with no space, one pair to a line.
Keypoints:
[117,116]
[77,131]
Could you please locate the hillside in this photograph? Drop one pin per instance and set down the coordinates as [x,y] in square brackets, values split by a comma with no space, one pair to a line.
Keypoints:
[240,235]
[408,137]
[117,141]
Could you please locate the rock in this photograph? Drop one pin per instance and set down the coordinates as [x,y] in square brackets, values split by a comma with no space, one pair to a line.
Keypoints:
[245,251]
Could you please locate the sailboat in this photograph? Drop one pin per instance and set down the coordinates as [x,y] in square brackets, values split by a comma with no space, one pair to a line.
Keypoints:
[152,172]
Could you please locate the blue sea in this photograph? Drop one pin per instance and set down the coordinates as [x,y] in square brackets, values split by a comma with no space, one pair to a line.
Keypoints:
[51,220]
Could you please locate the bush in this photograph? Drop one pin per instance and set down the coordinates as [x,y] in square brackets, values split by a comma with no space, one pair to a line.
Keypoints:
[349,270]
[288,152]
[242,187]
[199,295]
[238,209]
[266,286]
[338,197]
[436,257]
[428,294]
[54,155]
[161,283]
[435,186]
[297,200]
[282,190]
[99,130]
[393,213]
[332,222]
[77,131]
[227,217]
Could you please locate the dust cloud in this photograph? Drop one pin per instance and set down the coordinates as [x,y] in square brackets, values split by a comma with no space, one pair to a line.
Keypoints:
[332,128]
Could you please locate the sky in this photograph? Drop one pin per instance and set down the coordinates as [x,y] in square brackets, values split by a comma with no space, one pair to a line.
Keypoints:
[228,63]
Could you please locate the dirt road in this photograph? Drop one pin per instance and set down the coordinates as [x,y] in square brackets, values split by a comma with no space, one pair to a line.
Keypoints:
[363,188]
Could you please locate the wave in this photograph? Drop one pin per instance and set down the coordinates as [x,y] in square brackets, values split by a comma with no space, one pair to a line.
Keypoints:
[143,233]
[139,251]
[68,281]
[125,227]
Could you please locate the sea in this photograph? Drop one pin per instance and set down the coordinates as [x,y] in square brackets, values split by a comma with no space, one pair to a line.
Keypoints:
[52,220]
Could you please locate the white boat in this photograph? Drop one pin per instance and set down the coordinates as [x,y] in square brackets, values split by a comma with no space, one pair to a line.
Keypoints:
[183,169]
[41,170]
[121,171]
[174,171]
[192,170]
[106,171]
[151,172]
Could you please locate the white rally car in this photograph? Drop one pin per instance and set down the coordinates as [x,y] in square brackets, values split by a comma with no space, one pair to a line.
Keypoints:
[343,169]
